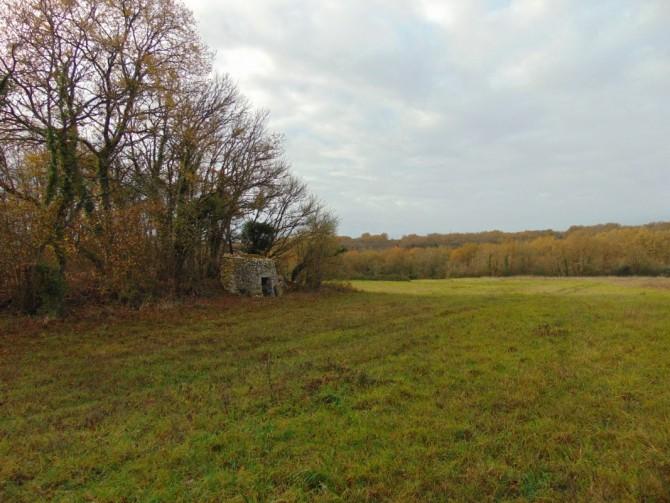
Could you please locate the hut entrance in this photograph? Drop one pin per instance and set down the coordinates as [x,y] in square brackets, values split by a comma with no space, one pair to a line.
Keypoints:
[266,286]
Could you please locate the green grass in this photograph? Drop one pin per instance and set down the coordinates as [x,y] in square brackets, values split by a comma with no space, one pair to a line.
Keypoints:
[474,390]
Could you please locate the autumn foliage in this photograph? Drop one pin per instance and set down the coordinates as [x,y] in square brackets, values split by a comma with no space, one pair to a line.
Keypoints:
[127,168]
[581,251]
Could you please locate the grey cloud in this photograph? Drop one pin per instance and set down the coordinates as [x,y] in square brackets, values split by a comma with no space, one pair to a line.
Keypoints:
[431,116]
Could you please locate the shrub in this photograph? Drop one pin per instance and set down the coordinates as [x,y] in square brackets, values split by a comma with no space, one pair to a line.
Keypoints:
[41,290]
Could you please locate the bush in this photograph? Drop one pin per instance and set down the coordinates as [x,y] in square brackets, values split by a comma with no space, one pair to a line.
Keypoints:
[257,237]
[41,290]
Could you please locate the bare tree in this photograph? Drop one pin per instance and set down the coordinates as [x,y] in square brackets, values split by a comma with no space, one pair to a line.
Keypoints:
[110,119]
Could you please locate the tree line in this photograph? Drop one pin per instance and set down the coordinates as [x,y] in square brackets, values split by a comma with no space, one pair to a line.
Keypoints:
[581,251]
[127,167]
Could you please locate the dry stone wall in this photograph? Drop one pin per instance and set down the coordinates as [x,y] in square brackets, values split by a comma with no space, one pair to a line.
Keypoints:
[250,275]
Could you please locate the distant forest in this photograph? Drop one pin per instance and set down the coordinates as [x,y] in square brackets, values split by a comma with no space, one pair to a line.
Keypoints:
[609,249]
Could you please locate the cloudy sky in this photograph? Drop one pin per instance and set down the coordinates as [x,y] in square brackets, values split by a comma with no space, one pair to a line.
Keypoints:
[463,115]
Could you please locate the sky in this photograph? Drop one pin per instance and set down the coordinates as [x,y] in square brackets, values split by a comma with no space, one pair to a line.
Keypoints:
[465,115]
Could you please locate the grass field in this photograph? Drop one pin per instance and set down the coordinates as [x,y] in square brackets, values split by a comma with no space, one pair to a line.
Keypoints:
[473,390]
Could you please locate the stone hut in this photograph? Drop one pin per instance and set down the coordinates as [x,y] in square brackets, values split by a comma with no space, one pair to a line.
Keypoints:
[250,275]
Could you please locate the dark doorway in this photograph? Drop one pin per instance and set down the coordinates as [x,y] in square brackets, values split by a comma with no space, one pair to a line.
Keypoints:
[266,286]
